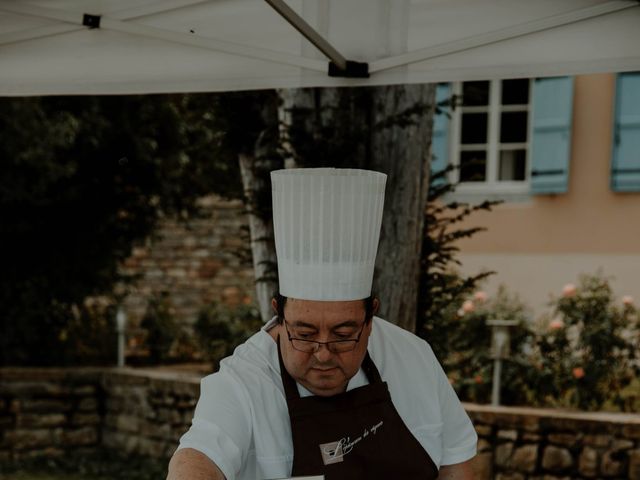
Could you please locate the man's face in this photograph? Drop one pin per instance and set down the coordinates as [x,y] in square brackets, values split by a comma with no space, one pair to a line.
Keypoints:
[324,373]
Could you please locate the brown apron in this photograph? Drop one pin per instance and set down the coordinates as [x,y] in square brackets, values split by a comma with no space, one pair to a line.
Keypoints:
[354,435]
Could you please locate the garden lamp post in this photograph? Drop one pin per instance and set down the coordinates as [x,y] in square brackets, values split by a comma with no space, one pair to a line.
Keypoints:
[500,341]
[121,322]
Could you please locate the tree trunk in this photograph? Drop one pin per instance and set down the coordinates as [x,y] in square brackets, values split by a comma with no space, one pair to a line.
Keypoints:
[255,170]
[402,121]
[387,129]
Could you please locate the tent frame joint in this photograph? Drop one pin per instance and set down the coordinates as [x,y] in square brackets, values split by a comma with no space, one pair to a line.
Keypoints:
[353,70]
[91,21]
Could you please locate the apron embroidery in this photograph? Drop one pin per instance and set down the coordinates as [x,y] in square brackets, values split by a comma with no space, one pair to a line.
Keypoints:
[333,452]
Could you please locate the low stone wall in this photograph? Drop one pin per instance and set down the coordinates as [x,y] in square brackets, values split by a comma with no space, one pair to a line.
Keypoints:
[57,411]
[49,411]
[146,411]
[528,443]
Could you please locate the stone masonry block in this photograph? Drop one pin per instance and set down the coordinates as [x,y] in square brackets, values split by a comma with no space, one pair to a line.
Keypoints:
[484,430]
[588,462]
[597,440]
[531,437]
[88,404]
[42,420]
[483,445]
[622,445]
[525,458]
[23,439]
[46,405]
[80,437]
[503,454]
[508,435]
[556,459]
[84,419]
[563,439]
[634,465]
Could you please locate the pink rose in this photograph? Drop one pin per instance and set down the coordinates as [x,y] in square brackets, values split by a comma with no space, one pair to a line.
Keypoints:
[569,290]
[627,300]
[578,372]
[556,324]
[480,296]
[468,306]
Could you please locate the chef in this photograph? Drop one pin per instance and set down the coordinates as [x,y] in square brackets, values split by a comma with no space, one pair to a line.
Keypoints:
[326,389]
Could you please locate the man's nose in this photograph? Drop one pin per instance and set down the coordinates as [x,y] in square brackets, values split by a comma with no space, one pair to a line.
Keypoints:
[323,354]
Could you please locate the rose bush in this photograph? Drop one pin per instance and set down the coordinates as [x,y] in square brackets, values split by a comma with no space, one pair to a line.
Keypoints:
[582,354]
[586,350]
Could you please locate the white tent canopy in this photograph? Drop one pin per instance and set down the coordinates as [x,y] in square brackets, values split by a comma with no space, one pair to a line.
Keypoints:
[154,46]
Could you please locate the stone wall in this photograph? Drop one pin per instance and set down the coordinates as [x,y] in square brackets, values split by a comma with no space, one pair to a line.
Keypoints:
[53,411]
[147,412]
[197,263]
[543,444]
[49,411]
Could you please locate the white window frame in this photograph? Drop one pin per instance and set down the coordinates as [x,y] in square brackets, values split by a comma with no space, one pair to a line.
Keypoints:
[491,187]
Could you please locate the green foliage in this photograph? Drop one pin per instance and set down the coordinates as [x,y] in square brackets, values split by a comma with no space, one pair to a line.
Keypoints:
[583,355]
[586,352]
[469,364]
[82,179]
[322,131]
[161,326]
[221,328]
[441,286]
[89,335]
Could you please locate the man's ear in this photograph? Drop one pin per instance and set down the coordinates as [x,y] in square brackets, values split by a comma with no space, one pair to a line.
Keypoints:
[274,305]
[376,305]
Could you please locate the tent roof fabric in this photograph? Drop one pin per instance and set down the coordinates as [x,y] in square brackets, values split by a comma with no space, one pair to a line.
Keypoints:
[161,46]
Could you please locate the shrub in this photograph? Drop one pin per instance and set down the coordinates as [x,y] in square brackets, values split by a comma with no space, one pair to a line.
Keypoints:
[468,339]
[586,352]
[162,330]
[441,286]
[221,328]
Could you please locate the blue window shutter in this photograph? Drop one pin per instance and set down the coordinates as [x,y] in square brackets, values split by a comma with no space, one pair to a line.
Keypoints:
[625,165]
[440,134]
[551,139]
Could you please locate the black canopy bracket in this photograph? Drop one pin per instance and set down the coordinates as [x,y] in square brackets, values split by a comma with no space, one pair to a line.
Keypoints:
[91,21]
[353,70]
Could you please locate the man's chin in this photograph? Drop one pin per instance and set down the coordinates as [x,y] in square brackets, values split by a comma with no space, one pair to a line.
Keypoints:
[325,384]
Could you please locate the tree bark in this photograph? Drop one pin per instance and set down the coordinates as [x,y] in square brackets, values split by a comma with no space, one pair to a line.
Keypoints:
[387,129]
[402,122]
[255,168]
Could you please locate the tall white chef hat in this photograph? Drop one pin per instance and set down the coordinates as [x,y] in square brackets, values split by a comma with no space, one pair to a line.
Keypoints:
[327,226]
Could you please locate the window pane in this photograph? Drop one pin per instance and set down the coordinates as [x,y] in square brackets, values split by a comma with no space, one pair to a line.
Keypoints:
[475,93]
[515,92]
[473,166]
[474,128]
[513,127]
[512,165]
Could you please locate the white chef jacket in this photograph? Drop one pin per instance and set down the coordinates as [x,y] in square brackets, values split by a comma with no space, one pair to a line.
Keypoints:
[242,424]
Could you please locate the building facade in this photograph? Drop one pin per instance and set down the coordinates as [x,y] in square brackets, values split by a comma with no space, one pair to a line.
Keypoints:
[564,155]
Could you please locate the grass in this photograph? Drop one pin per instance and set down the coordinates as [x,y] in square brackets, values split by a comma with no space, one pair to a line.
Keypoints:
[101,465]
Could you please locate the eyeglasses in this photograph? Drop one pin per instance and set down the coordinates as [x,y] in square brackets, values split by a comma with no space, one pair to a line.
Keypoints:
[334,346]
